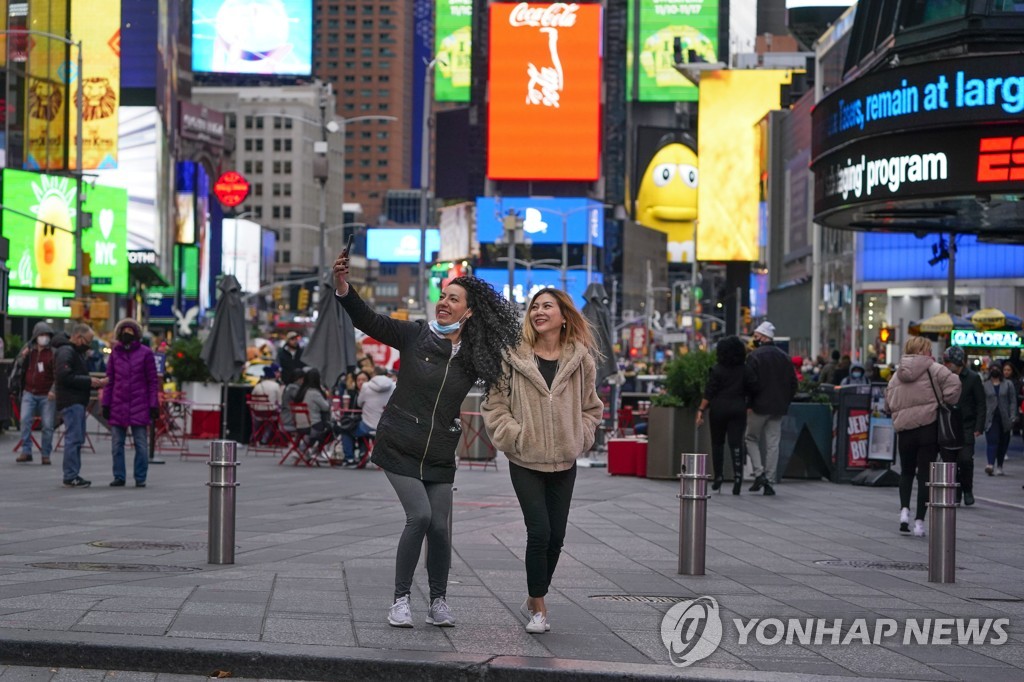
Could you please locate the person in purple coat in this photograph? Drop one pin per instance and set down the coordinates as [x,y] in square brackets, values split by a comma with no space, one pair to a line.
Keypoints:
[131,399]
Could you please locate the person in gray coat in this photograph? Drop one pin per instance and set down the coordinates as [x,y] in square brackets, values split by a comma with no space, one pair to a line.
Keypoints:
[1000,413]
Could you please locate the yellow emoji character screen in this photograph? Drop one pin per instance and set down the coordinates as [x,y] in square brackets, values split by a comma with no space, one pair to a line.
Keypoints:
[666,199]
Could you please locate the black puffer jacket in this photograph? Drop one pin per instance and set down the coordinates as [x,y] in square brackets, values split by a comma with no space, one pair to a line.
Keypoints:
[972,404]
[419,429]
[74,385]
[770,380]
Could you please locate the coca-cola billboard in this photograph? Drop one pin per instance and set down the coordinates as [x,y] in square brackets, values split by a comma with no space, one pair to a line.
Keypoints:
[544,115]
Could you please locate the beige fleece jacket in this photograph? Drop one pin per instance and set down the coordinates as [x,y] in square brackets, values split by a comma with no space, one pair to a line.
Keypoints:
[540,428]
[910,397]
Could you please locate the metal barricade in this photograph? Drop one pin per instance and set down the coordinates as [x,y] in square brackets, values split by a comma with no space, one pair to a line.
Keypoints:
[693,513]
[942,523]
[222,486]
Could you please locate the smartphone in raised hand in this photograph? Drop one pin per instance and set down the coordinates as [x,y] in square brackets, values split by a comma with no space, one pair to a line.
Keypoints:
[348,244]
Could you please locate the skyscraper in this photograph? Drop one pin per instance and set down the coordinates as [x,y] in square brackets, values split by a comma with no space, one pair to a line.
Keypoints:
[364,47]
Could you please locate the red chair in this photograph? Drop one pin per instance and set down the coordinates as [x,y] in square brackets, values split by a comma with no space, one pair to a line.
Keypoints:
[625,421]
[267,433]
[300,444]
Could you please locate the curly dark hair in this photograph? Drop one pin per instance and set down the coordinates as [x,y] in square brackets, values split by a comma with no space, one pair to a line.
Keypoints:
[730,352]
[489,333]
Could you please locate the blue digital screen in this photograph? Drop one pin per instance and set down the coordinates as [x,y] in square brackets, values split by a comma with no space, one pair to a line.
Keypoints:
[264,37]
[542,219]
[527,285]
[400,245]
[138,36]
[904,257]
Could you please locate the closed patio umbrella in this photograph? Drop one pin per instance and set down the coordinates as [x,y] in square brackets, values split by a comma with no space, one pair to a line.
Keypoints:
[332,346]
[224,349]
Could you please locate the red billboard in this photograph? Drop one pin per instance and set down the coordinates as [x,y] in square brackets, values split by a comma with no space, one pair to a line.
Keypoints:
[544,114]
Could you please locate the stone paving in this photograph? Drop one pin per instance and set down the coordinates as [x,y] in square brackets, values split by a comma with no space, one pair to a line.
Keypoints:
[312,578]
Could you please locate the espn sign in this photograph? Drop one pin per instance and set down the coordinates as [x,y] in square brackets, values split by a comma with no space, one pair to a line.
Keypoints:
[1001,159]
[544,103]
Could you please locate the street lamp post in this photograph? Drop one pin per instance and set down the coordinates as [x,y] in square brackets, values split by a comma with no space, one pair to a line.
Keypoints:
[564,215]
[428,95]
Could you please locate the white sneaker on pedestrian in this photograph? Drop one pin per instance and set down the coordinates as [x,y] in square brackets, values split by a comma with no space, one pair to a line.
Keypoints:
[538,624]
[400,615]
[439,614]
[904,520]
[999,471]
[525,610]
[919,528]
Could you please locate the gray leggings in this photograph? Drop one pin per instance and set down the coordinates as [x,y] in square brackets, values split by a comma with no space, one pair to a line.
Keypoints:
[427,506]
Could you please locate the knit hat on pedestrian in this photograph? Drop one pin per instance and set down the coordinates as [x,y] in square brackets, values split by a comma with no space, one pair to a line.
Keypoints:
[766,328]
[955,356]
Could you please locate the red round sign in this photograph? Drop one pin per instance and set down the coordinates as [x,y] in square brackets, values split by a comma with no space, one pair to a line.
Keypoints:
[231,189]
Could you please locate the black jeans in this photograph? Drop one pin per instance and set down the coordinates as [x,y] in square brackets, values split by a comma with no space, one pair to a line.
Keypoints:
[544,498]
[918,449]
[726,423]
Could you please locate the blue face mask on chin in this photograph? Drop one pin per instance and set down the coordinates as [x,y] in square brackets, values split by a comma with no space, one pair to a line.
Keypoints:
[444,329]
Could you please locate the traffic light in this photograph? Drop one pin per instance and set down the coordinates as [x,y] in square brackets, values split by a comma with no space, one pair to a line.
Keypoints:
[746,315]
[276,292]
[303,298]
[886,334]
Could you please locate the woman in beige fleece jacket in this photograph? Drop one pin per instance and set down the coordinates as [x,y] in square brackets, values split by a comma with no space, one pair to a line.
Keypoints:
[543,421]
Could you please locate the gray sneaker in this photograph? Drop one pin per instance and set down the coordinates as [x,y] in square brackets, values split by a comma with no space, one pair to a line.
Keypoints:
[439,614]
[400,615]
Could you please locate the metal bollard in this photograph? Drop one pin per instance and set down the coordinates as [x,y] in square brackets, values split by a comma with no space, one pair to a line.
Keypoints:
[693,513]
[222,486]
[942,523]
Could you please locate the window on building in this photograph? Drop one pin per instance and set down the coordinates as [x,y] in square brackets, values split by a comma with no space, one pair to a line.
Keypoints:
[367,9]
[349,78]
[385,52]
[387,10]
[257,189]
[364,148]
[350,92]
[367,37]
[286,257]
[257,167]
[332,37]
[383,106]
[364,163]
[277,144]
[366,52]
[286,211]
[350,37]
[277,256]
[259,122]
[384,78]
[350,23]
[382,148]
[258,144]
[383,92]
[248,144]
[333,52]
[348,161]
[382,177]
[276,190]
[366,65]
[365,106]
[365,177]
[275,212]
[286,189]
[365,134]
[350,65]
[257,211]
[286,234]
[333,23]
[229,120]
[350,52]
[277,168]
[287,169]
[384,64]
[348,176]
[248,122]
[332,65]
[367,23]
[348,106]
[382,163]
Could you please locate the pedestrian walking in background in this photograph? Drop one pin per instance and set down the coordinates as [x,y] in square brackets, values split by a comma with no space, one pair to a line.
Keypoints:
[420,429]
[373,397]
[1000,414]
[911,399]
[546,418]
[131,400]
[842,370]
[289,357]
[828,371]
[770,383]
[73,388]
[33,374]
[725,400]
[856,377]
[972,412]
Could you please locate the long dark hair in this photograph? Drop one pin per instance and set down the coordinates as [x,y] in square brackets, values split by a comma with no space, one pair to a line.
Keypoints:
[489,333]
[730,352]
[310,380]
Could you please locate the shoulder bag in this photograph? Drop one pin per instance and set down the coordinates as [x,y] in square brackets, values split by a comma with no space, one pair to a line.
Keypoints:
[950,421]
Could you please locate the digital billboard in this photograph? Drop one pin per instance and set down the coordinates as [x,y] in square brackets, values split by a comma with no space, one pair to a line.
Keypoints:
[542,219]
[262,37]
[400,245]
[46,92]
[693,22]
[98,24]
[39,222]
[240,244]
[527,284]
[729,193]
[544,112]
[453,46]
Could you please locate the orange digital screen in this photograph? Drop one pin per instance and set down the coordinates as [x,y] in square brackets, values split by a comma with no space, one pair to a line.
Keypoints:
[544,117]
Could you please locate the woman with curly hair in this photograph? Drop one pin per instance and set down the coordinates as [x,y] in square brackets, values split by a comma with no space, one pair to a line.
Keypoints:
[419,429]
[546,418]
[725,397]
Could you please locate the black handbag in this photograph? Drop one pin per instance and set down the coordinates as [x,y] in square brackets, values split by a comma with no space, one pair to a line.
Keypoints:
[950,421]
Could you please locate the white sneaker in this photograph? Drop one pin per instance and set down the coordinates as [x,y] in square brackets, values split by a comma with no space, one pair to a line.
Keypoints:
[904,520]
[538,624]
[525,610]
[919,528]
[999,471]
[439,614]
[400,615]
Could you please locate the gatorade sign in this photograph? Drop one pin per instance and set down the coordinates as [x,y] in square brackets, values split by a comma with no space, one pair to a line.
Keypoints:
[975,339]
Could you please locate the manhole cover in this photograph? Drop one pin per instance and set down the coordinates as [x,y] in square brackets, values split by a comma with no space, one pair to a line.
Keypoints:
[874,565]
[113,568]
[637,598]
[140,544]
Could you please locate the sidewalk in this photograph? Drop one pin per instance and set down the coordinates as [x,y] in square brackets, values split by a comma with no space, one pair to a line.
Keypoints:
[117,579]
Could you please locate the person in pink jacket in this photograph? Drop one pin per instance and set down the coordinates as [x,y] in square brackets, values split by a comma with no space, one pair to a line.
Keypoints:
[131,399]
[912,401]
